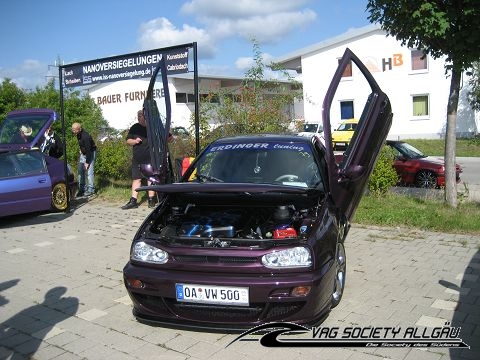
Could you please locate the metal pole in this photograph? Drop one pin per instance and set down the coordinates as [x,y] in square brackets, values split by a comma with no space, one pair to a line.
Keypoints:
[195,90]
[64,135]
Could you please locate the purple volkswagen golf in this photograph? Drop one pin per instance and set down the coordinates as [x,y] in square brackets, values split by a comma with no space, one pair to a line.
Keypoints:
[254,231]
[32,177]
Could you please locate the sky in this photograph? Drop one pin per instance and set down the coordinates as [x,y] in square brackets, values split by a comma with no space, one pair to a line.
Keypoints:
[37,34]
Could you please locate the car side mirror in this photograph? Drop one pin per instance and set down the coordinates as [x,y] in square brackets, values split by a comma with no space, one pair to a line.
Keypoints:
[351,173]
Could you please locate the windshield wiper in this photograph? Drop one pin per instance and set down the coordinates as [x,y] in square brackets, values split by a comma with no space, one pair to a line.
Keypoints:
[203,177]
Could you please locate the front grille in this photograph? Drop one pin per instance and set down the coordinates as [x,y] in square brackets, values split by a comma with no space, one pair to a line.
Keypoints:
[280,311]
[216,313]
[215,259]
[152,302]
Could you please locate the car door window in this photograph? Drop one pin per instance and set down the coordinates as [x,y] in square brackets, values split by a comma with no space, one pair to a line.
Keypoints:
[21,164]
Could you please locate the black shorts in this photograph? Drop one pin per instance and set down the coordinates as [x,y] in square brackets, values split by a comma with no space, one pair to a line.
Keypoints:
[136,173]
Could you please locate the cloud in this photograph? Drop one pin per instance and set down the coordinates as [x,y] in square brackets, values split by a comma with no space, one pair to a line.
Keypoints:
[160,32]
[266,21]
[245,63]
[29,74]
[238,9]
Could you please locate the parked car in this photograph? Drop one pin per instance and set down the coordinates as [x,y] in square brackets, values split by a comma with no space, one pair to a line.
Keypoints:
[342,136]
[416,169]
[310,129]
[180,131]
[254,231]
[30,179]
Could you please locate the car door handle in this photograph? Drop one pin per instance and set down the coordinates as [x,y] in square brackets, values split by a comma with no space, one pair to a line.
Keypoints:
[42,180]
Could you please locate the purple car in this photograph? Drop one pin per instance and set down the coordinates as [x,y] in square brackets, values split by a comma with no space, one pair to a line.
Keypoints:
[254,232]
[32,177]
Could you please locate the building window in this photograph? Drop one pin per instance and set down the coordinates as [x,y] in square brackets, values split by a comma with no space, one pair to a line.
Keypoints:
[420,105]
[419,60]
[348,69]
[181,98]
[346,109]
[184,98]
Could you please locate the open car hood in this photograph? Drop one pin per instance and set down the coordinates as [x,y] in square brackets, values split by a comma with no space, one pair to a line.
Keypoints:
[191,187]
[39,120]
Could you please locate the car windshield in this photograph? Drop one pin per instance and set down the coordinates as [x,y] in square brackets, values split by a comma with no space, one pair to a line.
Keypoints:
[259,163]
[10,131]
[312,128]
[410,151]
[347,127]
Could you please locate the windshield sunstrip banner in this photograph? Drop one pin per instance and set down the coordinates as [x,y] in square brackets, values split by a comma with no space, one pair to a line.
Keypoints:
[259,146]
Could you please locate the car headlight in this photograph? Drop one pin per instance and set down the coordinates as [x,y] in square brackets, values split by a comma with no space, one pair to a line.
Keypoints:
[289,258]
[143,252]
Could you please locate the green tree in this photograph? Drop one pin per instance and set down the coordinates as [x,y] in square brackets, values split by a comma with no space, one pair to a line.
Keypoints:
[439,28]
[11,97]
[258,105]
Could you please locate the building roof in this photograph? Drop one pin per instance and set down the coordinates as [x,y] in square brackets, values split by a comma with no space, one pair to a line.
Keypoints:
[293,61]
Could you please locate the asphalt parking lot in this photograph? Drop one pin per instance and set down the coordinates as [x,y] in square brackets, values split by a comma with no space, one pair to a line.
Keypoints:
[62,294]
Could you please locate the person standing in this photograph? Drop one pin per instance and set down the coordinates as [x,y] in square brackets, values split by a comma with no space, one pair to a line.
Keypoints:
[88,153]
[52,145]
[137,138]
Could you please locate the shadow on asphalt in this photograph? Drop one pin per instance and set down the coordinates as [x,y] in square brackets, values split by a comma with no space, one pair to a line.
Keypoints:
[467,312]
[4,286]
[51,311]
[43,217]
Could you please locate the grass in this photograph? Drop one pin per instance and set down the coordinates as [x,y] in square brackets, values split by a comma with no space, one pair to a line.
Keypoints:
[395,210]
[436,147]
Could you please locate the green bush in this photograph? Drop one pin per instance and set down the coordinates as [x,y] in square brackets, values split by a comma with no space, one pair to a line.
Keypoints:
[383,176]
[114,160]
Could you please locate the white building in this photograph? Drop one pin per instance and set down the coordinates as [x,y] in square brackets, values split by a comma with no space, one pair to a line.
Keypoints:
[121,100]
[417,87]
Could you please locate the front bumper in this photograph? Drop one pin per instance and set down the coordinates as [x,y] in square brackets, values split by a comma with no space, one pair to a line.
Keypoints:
[269,298]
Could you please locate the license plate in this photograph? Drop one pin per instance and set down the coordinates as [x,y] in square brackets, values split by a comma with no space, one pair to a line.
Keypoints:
[207,294]
[340,144]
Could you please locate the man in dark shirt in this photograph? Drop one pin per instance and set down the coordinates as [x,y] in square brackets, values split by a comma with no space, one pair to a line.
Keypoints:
[52,145]
[88,153]
[137,138]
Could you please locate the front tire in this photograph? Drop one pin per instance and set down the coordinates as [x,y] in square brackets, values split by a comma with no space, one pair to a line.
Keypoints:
[340,265]
[426,179]
[59,197]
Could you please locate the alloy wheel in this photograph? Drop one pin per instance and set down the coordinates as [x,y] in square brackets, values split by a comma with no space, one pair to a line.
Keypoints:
[340,273]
